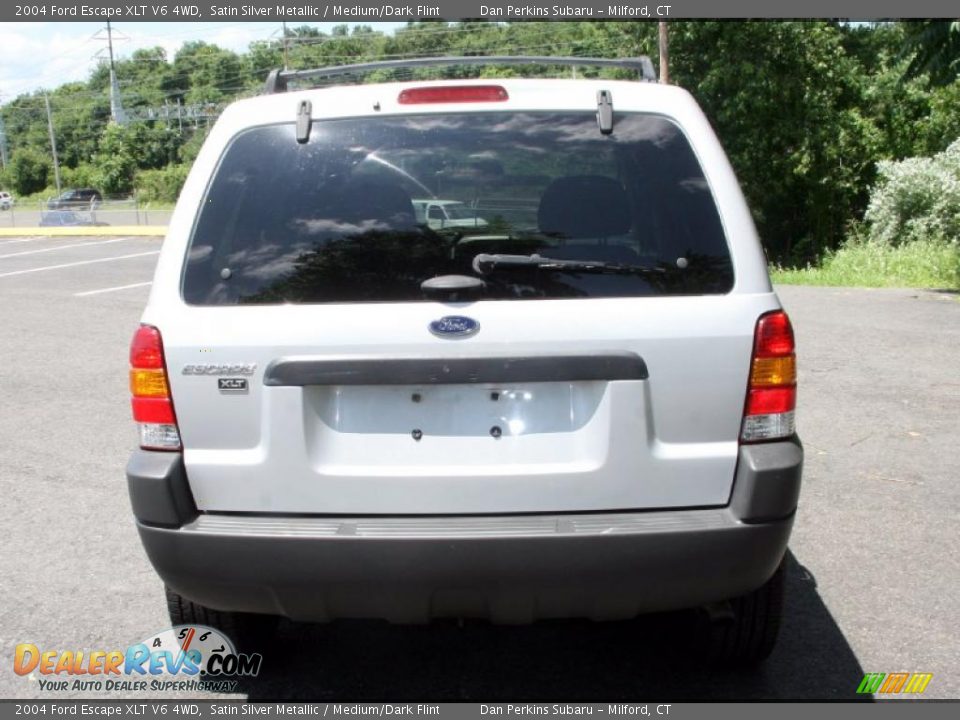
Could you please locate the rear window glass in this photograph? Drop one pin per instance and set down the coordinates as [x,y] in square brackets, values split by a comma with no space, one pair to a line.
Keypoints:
[370,208]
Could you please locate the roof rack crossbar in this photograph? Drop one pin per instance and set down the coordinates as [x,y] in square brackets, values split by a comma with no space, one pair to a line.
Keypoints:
[278,79]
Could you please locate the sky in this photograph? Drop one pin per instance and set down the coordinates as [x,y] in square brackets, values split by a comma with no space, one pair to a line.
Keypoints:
[48,54]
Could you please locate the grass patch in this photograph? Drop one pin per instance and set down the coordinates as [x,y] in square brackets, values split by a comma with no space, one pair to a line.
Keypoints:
[920,264]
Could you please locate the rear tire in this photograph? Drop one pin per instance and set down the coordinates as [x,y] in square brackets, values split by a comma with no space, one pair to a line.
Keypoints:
[749,636]
[250,632]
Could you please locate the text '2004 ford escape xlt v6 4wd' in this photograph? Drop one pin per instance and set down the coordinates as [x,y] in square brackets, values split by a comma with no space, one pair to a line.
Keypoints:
[583,407]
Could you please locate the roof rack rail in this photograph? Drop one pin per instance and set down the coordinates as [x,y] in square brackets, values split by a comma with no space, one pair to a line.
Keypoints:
[277,79]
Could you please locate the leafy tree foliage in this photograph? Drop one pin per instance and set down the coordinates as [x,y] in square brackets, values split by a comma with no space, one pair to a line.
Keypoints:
[161,185]
[806,110]
[917,199]
[912,117]
[935,45]
[28,172]
[785,100]
[115,161]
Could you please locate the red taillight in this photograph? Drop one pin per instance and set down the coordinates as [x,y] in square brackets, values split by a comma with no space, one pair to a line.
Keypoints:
[769,400]
[455,94]
[146,349]
[153,410]
[772,393]
[774,336]
[151,402]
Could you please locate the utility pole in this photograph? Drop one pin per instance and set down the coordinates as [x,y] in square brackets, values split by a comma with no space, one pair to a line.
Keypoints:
[116,107]
[53,142]
[285,46]
[664,54]
[3,144]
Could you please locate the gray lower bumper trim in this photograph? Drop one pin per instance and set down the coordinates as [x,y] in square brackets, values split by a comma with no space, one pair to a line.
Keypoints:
[506,569]
[767,484]
[510,569]
[159,492]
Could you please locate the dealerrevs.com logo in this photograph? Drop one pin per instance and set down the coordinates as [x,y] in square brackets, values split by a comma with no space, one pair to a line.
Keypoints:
[184,657]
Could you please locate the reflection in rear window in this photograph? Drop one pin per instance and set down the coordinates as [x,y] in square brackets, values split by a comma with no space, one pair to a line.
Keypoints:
[341,218]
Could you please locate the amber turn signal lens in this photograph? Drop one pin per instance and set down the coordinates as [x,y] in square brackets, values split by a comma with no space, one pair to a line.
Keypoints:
[768,371]
[148,383]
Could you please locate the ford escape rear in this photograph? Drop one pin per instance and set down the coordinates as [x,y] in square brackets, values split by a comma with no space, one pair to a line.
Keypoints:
[583,407]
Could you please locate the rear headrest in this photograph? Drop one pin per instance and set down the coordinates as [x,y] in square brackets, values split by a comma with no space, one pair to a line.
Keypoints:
[582,206]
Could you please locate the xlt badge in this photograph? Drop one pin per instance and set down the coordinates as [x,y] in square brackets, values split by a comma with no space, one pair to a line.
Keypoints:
[231,383]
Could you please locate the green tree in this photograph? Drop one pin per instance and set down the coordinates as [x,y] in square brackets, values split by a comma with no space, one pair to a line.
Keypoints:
[204,73]
[153,145]
[917,199]
[79,116]
[912,117]
[262,58]
[28,171]
[935,49]
[161,185]
[805,110]
[785,99]
[115,161]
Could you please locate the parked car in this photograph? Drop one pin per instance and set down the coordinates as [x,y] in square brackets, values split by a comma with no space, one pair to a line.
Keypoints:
[447,214]
[78,199]
[65,218]
[344,413]
[6,200]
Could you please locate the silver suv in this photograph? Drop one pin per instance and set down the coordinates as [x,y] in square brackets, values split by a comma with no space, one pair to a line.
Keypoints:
[583,408]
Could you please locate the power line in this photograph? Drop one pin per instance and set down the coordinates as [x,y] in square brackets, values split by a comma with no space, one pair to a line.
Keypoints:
[228,82]
[493,30]
[544,36]
[116,105]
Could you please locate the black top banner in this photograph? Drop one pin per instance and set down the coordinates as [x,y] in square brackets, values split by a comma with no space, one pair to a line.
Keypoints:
[367,12]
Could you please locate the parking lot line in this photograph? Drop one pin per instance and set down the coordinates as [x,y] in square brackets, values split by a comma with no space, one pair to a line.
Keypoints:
[18,240]
[111,289]
[74,264]
[62,247]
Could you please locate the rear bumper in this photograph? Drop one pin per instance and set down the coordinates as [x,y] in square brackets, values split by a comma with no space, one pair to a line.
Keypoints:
[510,569]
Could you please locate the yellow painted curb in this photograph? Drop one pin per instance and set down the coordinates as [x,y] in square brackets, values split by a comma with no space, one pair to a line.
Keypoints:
[85,230]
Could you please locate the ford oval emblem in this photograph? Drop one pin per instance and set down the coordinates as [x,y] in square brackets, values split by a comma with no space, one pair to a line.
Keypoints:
[454,326]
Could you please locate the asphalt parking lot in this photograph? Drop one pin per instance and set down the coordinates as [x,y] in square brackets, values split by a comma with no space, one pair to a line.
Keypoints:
[874,560]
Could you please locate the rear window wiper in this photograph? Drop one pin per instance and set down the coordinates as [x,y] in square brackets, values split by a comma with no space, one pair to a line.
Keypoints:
[484,264]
